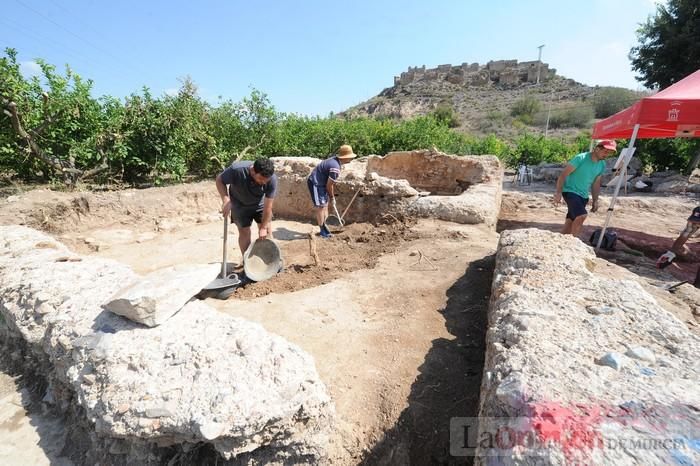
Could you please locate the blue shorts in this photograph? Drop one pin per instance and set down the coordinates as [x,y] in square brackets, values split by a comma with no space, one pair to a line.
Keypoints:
[243,216]
[576,205]
[319,194]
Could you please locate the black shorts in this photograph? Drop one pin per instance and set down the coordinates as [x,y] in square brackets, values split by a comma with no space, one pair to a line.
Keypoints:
[243,216]
[576,205]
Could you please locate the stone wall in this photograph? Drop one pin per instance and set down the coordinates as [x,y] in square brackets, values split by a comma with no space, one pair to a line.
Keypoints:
[462,189]
[433,171]
[504,72]
[377,195]
[142,395]
[584,369]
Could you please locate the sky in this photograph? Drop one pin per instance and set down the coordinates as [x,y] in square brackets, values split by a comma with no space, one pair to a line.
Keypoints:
[314,57]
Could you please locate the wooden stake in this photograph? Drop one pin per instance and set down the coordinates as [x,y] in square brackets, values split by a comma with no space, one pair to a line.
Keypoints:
[312,249]
[422,256]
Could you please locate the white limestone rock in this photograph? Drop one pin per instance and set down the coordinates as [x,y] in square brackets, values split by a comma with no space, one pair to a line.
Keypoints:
[200,376]
[153,299]
[548,373]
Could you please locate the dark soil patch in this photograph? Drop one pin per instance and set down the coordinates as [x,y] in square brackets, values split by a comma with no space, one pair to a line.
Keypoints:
[358,246]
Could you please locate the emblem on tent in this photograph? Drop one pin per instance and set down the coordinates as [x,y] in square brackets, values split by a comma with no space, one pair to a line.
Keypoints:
[673,114]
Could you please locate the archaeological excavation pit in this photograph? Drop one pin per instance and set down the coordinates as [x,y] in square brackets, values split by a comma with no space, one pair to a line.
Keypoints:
[364,358]
[379,345]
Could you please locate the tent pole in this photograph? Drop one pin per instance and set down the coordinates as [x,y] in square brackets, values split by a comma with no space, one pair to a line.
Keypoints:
[621,172]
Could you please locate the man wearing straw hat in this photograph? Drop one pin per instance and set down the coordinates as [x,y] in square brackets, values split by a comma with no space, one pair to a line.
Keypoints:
[321,185]
[581,176]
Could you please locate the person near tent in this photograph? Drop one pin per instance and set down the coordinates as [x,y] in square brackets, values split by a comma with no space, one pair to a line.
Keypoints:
[670,113]
[691,228]
[581,176]
[321,183]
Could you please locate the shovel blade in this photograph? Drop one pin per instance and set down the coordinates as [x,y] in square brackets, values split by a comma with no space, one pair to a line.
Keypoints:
[221,283]
[334,221]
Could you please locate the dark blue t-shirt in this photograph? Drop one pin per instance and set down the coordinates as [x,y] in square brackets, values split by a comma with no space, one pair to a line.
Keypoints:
[242,188]
[329,168]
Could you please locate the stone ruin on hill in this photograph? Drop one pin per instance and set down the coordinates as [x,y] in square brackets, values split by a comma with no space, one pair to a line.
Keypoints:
[502,72]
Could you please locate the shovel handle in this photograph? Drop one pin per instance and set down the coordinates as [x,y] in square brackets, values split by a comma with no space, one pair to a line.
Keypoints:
[673,287]
[223,261]
[335,208]
[349,204]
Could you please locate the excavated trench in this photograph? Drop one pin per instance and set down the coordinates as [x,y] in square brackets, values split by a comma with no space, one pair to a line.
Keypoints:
[394,315]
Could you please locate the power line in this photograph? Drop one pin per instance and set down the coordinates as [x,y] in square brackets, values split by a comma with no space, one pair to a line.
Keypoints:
[75,17]
[77,36]
[75,62]
[51,43]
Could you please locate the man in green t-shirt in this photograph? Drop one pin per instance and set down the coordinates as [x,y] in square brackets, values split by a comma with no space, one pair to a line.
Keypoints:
[581,175]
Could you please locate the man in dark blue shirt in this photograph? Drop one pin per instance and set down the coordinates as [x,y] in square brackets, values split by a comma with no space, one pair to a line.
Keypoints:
[321,184]
[251,192]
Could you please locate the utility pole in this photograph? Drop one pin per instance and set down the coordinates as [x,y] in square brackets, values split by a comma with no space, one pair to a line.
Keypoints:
[549,111]
[539,62]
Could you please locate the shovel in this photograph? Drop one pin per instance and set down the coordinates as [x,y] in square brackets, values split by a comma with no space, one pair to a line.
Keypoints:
[672,288]
[335,219]
[225,281]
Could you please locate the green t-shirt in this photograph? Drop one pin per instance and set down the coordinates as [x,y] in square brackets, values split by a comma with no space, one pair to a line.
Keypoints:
[586,171]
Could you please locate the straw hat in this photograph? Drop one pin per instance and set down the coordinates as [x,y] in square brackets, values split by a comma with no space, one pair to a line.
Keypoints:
[345,152]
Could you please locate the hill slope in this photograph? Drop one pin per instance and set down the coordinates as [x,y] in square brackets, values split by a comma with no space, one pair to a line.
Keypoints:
[483,96]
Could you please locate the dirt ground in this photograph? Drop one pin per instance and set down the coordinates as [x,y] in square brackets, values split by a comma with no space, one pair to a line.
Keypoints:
[354,247]
[394,315]
[30,434]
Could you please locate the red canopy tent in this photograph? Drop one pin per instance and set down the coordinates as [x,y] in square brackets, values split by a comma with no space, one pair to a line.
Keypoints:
[671,113]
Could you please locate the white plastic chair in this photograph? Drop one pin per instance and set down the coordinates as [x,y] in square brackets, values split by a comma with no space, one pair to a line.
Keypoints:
[524,174]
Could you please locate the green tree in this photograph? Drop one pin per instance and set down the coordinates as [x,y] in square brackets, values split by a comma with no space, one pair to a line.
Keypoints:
[48,123]
[669,44]
[609,100]
[535,149]
[669,50]
[245,128]
[190,142]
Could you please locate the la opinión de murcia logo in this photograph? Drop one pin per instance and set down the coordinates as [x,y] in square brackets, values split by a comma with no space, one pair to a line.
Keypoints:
[673,114]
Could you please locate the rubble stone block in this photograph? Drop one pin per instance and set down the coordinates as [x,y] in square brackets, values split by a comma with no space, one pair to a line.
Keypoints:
[586,388]
[153,299]
[139,392]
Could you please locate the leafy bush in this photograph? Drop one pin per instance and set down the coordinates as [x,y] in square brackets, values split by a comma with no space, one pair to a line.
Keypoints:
[446,115]
[59,115]
[525,109]
[666,154]
[610,100]
[160,139]
[535,149]
[579,116]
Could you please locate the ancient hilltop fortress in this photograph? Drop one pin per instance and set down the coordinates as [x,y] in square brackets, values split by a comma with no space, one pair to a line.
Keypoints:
[502,72]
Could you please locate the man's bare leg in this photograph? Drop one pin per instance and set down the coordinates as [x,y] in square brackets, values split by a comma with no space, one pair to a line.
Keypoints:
[321,215]
[566,229]
[243,239]
[577,224]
